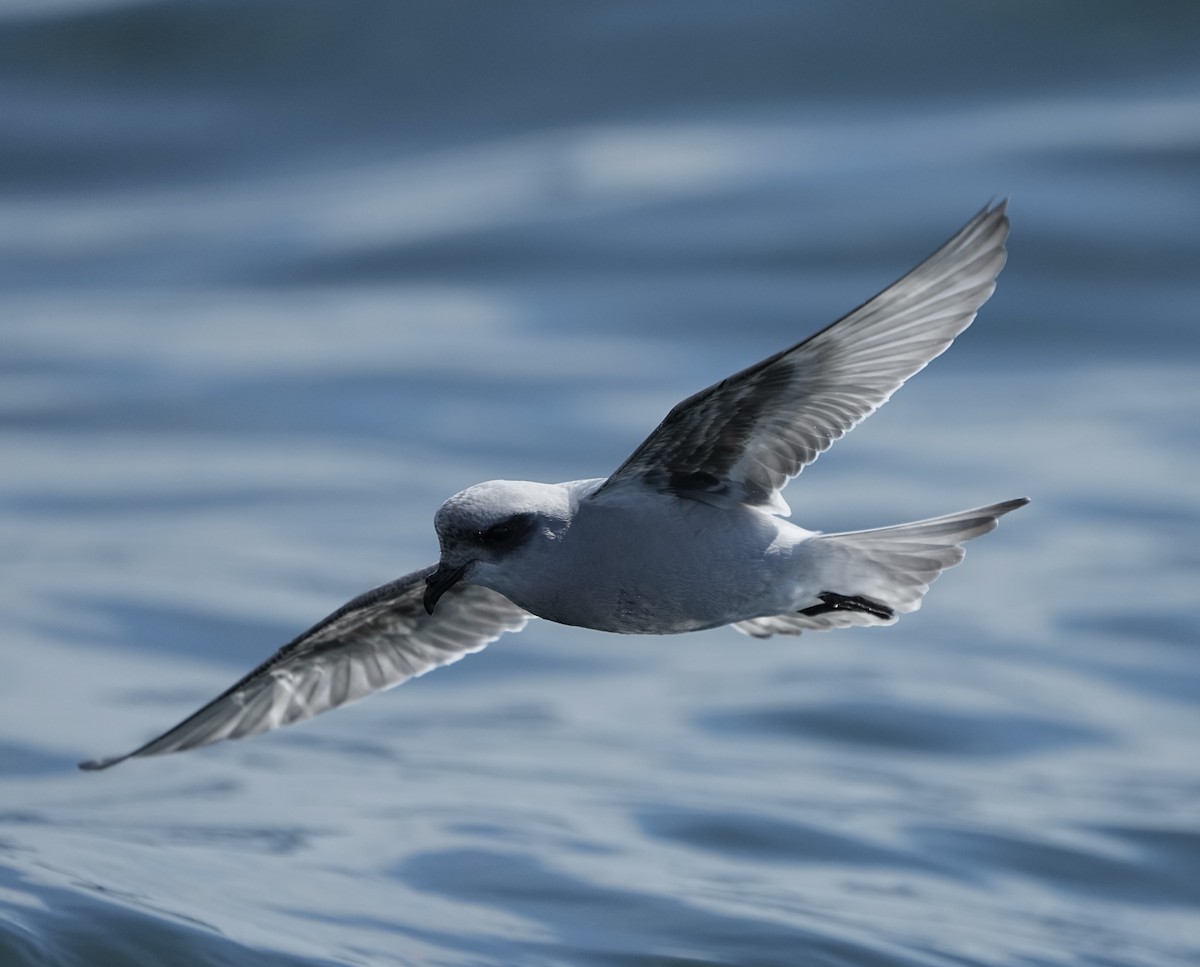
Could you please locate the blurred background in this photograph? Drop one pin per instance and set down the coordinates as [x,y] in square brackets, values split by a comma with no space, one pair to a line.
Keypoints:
[278,276]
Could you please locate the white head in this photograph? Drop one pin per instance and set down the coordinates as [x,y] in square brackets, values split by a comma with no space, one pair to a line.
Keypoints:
[486,528]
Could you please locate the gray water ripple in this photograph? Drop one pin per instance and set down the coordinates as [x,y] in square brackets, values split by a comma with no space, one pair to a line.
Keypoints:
[278,276]
[752,837]
[653,928]
[1086,871]
[906,728]
[88,927]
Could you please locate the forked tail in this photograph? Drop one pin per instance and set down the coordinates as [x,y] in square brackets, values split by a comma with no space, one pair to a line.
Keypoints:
[868,577]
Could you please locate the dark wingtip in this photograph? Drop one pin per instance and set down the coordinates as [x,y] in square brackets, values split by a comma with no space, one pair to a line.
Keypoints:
[95,765]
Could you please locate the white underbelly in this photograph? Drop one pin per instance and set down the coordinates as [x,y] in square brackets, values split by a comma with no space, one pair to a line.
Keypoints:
[691,568]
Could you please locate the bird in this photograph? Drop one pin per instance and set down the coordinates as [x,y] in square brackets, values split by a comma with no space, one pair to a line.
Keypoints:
[689,533]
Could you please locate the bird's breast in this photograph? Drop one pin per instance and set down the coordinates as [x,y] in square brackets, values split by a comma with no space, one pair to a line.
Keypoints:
[666,568]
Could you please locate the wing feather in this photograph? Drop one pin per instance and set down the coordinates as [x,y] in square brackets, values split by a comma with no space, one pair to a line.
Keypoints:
[379,640]
[741,440]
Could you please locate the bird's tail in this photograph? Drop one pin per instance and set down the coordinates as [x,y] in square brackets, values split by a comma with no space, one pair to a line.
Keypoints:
[868,577]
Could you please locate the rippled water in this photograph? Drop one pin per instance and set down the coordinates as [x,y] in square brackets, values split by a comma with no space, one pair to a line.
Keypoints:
[279,277]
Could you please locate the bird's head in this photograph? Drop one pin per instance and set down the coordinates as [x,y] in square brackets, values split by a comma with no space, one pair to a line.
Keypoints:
[487,529]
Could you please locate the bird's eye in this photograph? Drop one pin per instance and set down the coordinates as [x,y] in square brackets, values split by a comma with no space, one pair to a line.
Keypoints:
[506,532]
[497,533]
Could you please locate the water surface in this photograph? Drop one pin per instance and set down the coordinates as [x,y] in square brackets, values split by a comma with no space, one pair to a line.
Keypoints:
[277,278]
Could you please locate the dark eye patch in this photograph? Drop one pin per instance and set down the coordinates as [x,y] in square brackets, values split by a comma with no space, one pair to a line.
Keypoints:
[506,532]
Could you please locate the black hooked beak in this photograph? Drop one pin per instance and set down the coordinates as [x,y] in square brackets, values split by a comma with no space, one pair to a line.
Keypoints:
[439,582]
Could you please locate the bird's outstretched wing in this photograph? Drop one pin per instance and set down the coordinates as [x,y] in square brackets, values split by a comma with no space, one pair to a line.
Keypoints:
[379,640]
[741,440]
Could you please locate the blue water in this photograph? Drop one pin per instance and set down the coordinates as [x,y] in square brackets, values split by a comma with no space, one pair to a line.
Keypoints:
[278,277]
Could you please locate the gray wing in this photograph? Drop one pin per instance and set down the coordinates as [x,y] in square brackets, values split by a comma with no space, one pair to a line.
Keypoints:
[379,640]
[741,440]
